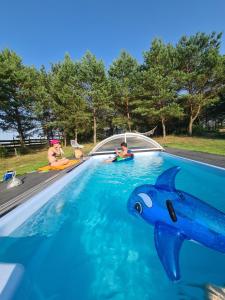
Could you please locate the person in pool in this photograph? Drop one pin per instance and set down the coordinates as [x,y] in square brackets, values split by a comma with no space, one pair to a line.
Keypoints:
[122,154]
[55,154]
[125,151]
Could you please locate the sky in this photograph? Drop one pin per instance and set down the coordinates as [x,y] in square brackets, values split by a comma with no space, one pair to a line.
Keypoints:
[42,31]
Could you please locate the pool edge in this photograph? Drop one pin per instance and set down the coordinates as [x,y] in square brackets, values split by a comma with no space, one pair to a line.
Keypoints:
[195,161]
[18,215]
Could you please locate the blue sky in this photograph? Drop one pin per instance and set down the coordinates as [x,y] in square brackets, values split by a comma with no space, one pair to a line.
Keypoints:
[42,31]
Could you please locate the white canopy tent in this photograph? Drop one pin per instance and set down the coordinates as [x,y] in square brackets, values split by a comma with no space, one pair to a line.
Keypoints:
[136,142]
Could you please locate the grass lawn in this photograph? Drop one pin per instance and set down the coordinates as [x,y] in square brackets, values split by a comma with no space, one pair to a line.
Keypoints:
[30,162]
[214,146]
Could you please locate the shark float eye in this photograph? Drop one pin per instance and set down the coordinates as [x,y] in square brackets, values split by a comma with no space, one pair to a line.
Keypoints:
[147,200]
[138,207]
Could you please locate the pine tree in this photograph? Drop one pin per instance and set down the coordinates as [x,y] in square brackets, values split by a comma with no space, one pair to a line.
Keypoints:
[199,66]
[122,74]
[16,97]
[96,89]
[158,98]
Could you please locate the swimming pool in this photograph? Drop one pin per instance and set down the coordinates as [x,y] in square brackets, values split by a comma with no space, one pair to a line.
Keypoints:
[83,244]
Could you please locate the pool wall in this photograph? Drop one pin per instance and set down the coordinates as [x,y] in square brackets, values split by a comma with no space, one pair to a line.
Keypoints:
[11,274]
[12,220]
[16,217]
[194,161]
[20,214]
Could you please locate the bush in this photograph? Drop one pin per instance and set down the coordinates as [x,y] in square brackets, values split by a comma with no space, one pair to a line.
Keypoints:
[22,150]
[3,152]
[199,130]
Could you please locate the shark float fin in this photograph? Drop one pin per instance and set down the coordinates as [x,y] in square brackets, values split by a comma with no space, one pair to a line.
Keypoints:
[168,241]
[167,179]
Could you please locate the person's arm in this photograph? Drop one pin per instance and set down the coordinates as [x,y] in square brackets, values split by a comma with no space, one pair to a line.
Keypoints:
[117,152]
[62,152]
[51,157]
[121,154]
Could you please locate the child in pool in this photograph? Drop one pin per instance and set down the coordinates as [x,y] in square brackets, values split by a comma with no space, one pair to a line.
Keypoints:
[122,154]
[125,152]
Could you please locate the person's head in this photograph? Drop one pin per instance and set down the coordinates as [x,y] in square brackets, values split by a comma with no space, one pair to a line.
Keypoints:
[123,146]
[55,144]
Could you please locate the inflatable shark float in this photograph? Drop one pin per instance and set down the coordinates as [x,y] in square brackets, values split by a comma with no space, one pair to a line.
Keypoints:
[176,216]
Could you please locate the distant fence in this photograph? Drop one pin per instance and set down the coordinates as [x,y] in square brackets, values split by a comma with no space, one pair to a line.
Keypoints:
[11,146]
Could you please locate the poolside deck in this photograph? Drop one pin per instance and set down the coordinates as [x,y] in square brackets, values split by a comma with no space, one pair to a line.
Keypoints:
[212,159]
[34,182]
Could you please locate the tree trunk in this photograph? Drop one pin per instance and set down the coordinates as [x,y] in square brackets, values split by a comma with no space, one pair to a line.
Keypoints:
[65,142]
[75,134]
[128,114]
[190,126]
[21,135]
[94,126]
[20,129]
[163,127]
[192,119]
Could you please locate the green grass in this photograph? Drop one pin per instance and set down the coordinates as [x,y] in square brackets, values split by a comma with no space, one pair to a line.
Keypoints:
[214,146]
[31,162]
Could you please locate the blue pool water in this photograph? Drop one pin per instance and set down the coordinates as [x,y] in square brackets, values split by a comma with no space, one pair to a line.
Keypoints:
[83,244]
